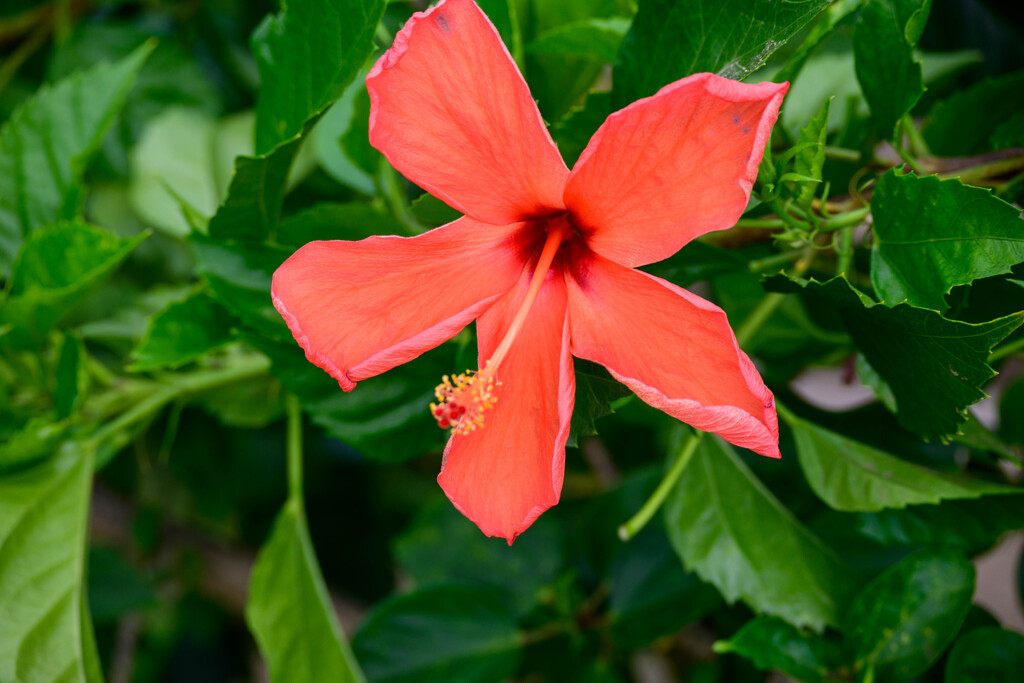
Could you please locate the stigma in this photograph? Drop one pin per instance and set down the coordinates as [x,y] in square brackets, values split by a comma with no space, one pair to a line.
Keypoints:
[462,400]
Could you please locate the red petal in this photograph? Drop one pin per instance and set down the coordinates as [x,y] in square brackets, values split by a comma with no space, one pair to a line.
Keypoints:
[506,474]
[675,350]
[360,308]
[671,167]
[450,111]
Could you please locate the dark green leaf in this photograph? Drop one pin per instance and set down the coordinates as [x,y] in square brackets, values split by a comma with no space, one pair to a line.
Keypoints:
[730,530]
[671,39]
[772,644]
[852,476]
[336,221]
[46,144]
[57,267]
[45,635]
[255,195]
[932,235]
[37,439]
[986,655]
[445,547]
[903,620]
[356,141]
[327,42]
[116,587]
[183,332]
[573,132]
[963,124]
[289,610]
[1010,133]
[442,634]
[593,38]
[596,390]
[71,377]
[432,212]
[935,367]
[830,19]
[889,75]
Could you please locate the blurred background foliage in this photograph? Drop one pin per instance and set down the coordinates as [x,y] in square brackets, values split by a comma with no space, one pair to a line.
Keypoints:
[160,430]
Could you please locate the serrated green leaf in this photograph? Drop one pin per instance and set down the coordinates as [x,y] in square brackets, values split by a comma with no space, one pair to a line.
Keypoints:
[986,655]
[903,620]
[71,377]
[810,160]
[671,39]
[852,476]
[935,367]
[56,268]
[773,645]
[889,75]
[932,235]
[733,533]
[592,38]
[444,547]
[327,42]
[441,634]
[596,390]
[45,635]
[289,611]
[963,123]
[46,144]
[182,332]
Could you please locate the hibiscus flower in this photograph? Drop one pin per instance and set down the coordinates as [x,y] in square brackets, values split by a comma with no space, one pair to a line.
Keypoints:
[543,260]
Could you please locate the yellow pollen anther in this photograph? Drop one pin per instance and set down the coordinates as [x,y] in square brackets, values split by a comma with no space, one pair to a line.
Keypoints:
[462,400]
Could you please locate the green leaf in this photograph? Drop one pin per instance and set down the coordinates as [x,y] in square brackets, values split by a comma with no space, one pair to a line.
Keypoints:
[671,39]
[730,530]
[935,367]
[596,390]
[432,212]
[593,38]
[336,221]
[445,547]
[116,587]
[830,19]
[903,620]
[772,644]
[37,439]
[71,377]
[326,41]
[289,610]
[932,235]
[889,75]
[986,655]
[57,267]
[334,127]
[47,142]
[852,476]
[444,633]
[810,160]
[963,124]
[45,635]
[182,332]
[1010,132]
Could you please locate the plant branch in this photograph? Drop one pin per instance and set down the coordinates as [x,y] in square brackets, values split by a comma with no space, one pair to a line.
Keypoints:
[638,521]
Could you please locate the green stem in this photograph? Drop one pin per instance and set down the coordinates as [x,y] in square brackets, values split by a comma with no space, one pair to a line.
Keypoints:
[769,303]
[761,223]
[917,144]
[845,220]
[774,261]
[653,504]
[294,448]
[1003,188]
[989,170]
[845,252]
[842,154]
[897,144]
[1006,350]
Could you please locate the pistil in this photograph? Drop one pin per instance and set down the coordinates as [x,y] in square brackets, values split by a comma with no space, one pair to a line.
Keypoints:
[462,399]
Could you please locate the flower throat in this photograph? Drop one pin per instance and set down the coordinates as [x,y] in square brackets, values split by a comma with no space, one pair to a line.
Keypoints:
[463,398]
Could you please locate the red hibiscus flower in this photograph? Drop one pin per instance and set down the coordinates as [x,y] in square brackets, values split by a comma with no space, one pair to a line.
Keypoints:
[543,260]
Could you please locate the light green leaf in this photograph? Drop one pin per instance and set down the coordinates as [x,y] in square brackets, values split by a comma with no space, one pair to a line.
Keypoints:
[903,620]
[182,332]
[437,635]
[772,644]
[45,633]
[733,533]
[810,160]
[36,439]
[852,476]
[935,367]
[671,39]
[46,144]
[986,655]
[324,41]
[932,235]
[57,267]
[889,75]
[593,38]
[289,610]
